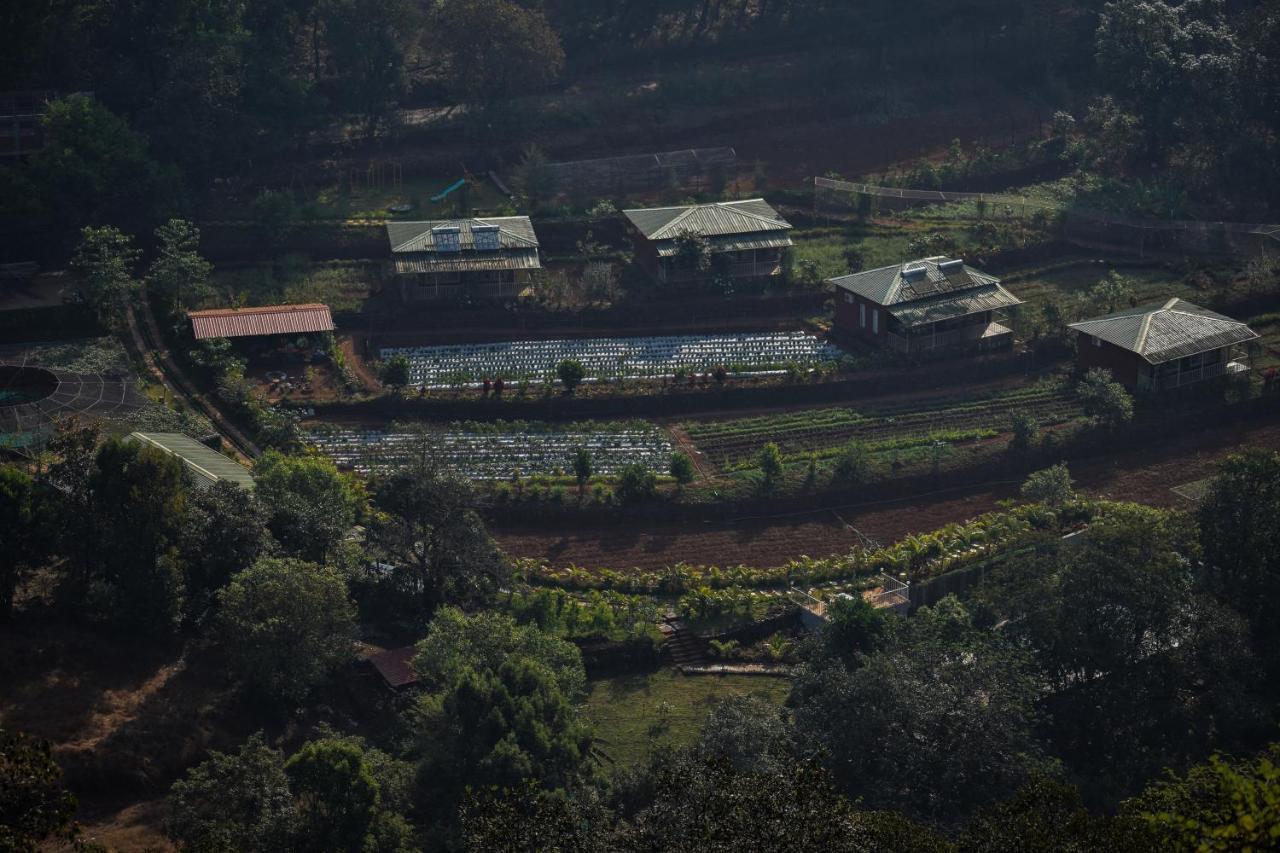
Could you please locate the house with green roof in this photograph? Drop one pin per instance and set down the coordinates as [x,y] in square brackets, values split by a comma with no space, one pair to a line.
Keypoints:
[1164,345]
[455,259]
[931,305]
[697,242]
[205,465]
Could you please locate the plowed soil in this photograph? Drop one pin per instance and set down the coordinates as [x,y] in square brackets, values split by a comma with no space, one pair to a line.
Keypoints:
[1145,476]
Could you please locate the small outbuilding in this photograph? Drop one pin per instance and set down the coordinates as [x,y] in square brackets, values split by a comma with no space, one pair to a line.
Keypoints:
[924,306]
[745,240]
[206,465]
[395,666]
[485,259]
[262,321]
[1164,345]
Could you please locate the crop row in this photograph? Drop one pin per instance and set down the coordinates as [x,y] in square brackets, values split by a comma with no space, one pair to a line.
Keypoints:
[915,558]
[496,456]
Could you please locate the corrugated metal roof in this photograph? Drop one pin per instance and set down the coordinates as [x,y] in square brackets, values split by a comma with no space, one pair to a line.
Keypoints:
[947,306]
[1164,331]
[775,240]
[514,232]
[395,666]
[427,262]
[888,285]
[266,320]
[207,465]
[718,219]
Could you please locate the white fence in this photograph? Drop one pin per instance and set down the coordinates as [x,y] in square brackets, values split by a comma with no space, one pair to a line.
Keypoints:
[605,358]
[497,456]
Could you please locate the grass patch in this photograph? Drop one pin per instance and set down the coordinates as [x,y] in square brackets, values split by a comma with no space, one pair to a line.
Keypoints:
[344,287]
[635,713]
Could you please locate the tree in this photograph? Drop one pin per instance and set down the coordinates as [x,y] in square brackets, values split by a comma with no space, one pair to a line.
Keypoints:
[428,523]
[139,503]
[1025,430]
[582,468]
[499,728]
[853,465]
[1110,292]
[310,504]
[751,733]
[395,372]
[178,266]
[1104,399]
[1051,486]
[104,260]
[275,216]
[24,530]
[338,797]
[693,252]
[854,628]
[496,49]
[234,801]
[636,484]
[1222,805]
[682,468]
[93,168]
[367,41]
[285,625]
[769,460]
[571,373]
[35,806]
[962,696]
[456,642]
[1240,538]
[1046,816]
[223,532]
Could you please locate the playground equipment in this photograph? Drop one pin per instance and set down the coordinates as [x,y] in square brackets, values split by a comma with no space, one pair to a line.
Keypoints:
[441,196]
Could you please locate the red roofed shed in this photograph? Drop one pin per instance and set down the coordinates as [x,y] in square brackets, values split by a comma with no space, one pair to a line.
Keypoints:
[395,666]
[267,320]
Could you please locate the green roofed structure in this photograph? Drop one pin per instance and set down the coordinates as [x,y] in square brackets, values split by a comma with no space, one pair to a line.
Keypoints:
[207,466]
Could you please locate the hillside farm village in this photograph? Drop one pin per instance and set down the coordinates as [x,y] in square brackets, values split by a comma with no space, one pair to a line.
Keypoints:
[487,425]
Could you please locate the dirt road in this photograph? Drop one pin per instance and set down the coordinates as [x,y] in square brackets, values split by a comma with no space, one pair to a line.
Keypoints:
[1146,476]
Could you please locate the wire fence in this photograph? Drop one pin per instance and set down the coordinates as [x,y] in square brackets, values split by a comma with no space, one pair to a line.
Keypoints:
[694,168]
[1091,227]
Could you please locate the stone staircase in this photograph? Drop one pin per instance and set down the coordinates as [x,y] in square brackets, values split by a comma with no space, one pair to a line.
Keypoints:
[684,647]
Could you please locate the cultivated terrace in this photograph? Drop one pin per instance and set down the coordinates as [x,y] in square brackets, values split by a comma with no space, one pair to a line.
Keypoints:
[612,426]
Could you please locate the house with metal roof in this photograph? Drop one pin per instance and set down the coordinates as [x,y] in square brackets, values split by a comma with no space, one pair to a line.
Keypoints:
[1164,345]
[261,321]
[935,304]
[490,258]
[206,465]
[744,239]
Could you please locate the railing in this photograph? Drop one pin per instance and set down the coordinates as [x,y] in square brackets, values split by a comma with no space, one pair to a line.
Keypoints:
[1199,374]
[743,270]
[936,340]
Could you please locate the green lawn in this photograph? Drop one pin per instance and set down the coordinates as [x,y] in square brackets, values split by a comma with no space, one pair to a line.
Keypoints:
[343,286]
[627,714]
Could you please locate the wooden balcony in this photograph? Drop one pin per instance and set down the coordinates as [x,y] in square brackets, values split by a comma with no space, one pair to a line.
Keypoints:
[1192,376]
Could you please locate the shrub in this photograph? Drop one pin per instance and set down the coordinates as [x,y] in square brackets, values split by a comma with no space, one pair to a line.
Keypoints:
[682,468]
[1104,399]
[636,483]
[571,373]
[769,460]
[854,463]
[1051,486]
[1025,430]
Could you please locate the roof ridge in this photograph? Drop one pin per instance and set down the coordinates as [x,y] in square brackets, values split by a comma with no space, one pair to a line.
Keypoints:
[259,309]
[680,217]
[1140,344]
[732,205]
[513,235]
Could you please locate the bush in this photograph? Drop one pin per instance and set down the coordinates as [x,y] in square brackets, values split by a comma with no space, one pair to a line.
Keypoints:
[571,373]
[395,371]
[1051,487]
[1025,430]
[682,468]
[1104,399]
[769,460]
[636,483]
[854,463]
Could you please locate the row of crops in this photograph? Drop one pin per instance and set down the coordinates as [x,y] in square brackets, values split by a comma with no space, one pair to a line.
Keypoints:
[653,357]
[498,455]
[955,416]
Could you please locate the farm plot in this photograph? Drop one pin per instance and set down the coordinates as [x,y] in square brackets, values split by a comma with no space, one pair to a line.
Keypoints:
[954,417]
[499,455]
[605,358]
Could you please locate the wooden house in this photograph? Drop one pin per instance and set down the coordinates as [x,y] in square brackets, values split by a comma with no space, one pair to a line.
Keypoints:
[931,305]
[480,259]
[744,239]
[1163,345]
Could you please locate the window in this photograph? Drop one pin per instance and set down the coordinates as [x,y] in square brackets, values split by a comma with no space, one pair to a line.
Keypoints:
[1097,342]
[848,297]
[862,314]
[875,320]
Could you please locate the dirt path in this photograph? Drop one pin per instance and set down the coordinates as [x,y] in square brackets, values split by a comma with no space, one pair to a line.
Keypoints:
[1146,476]
[358,366]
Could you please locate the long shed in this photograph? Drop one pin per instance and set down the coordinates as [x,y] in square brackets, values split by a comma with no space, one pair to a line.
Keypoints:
[206,465]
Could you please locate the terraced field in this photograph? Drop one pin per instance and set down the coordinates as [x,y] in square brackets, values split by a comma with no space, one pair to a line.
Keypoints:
[955,417]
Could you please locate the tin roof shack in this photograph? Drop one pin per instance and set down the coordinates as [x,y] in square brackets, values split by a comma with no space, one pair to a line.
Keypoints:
[206,465]
[1164,345]
[463,259]
[743,240]
[932,305]
[262,321]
